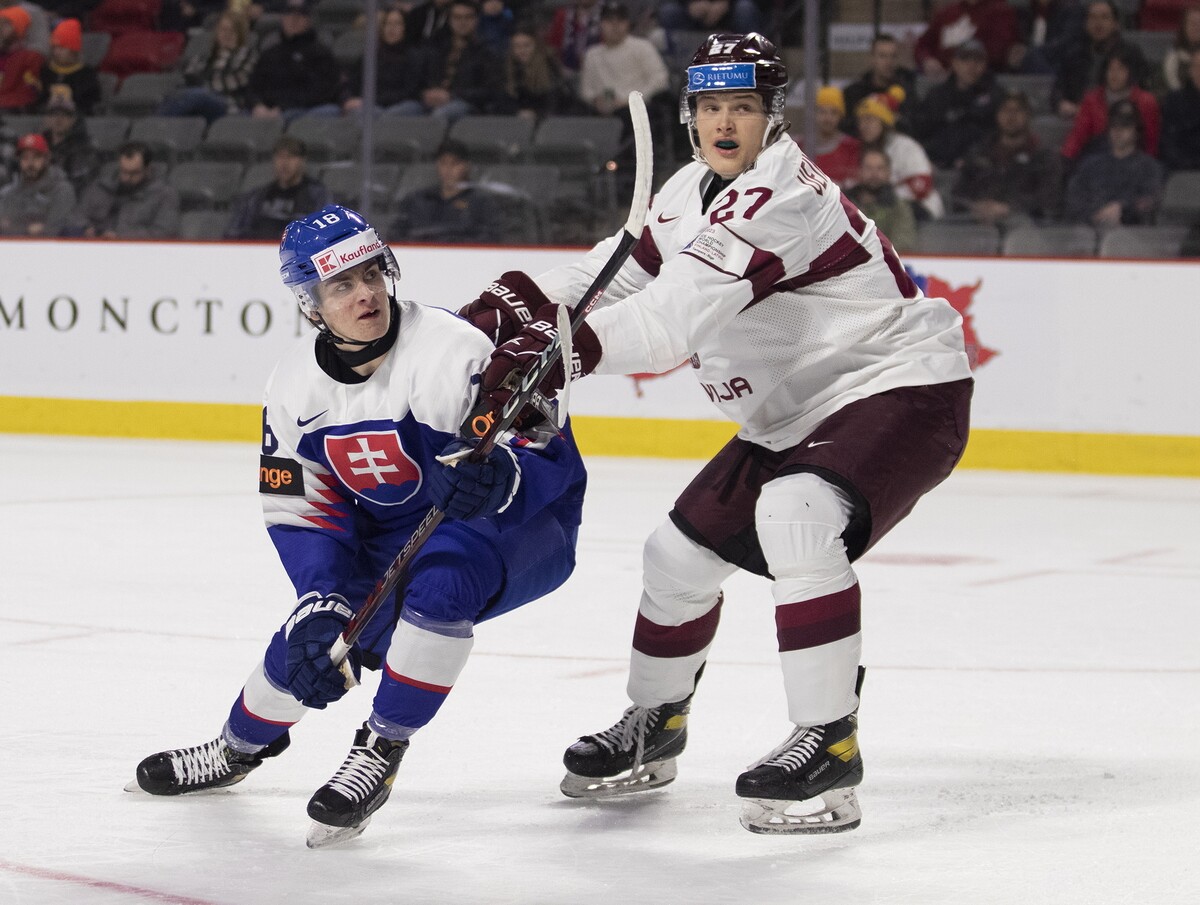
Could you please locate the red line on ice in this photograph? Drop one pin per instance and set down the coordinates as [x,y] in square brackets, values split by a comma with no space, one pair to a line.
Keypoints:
[91,883]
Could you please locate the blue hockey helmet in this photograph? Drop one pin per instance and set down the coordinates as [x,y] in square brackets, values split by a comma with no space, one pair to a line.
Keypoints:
[729,62]
[323,244]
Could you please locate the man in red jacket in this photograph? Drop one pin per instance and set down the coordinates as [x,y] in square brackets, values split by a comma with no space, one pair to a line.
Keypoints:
[19,66]
[991,22]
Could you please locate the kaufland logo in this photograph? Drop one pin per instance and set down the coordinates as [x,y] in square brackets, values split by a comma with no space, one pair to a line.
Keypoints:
[346,253]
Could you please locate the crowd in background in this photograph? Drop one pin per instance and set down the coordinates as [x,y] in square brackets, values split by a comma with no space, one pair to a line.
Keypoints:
[946,137]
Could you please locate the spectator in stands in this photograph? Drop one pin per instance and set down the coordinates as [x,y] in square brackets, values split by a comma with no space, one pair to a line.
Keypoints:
[534,83]
[1091,122]
[39,201]
[134,203]
[836,153]
[1007,179]
[217,83]
[496,25]
[991,22]
[19,65]
[620,63]
[875,195]
[427,22]
[396,79]
[1121,184]
[263,212]
[573,29]
[1180,146]
[298,74]
[1187,44]
[66,73]
[454,211]
[71,147]
[457,74]
[912,173]
[1044,27]
[736,17]
[1083,61]
[885,72]
[958,112]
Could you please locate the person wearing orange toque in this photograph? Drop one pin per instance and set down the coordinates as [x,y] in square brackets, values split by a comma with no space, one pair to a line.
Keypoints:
[19,65]
[65,73]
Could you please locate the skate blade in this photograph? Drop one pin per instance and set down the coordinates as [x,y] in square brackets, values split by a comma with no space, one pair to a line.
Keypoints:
[837,812]
[322,835]
[648,776]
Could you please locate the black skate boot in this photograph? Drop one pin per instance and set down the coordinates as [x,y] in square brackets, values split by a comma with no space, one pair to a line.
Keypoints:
[342,808]
[636,754]
[816,762]
[209,766]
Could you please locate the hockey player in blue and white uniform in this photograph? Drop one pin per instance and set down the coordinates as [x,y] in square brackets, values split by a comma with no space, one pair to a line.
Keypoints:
[851,392]
[357,414]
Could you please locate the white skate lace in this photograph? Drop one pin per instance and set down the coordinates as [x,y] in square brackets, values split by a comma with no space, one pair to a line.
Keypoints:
[201,763]
[797,750]
[358,775]
[630,732]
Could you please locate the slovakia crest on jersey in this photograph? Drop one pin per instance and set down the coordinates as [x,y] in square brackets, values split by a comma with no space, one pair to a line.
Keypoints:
[374,465]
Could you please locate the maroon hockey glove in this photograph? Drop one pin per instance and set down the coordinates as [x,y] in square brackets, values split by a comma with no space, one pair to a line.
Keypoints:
[513,360]
[505,306]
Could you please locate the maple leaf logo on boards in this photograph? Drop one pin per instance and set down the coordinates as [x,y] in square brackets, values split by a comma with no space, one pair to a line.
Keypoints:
[961,298]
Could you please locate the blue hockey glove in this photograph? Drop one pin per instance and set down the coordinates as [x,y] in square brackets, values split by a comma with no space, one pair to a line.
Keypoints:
[468,490]
[312,677]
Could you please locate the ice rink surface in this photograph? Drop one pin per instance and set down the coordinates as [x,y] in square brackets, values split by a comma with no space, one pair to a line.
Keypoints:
[1029,722]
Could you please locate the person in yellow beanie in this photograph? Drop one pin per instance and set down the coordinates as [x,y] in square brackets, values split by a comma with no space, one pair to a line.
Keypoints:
[912,173]
[66,73]
[18,64]
[835,152]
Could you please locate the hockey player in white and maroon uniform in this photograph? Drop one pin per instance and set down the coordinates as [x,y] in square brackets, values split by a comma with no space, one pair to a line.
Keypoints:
[356,417]
[851,392]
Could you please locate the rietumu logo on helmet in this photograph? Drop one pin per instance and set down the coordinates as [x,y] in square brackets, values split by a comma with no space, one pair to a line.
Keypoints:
[347,253]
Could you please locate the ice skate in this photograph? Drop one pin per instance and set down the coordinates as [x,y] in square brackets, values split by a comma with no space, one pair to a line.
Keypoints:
[212,765]
[806,785]
[342,808]
[636,754]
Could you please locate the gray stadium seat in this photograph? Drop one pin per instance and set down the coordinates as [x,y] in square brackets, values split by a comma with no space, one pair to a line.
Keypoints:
[108,133]
[406,139]
[171,138]
[1036,87]
[493,139]
[257,174]
[1180,199]
[1051,130]
[344,181]
[416,176]
[203,224]
[1152,242]
[141,92]
[241,138]
[327,137]
[95,46]
[942,237]
[206,183]
[1069,241]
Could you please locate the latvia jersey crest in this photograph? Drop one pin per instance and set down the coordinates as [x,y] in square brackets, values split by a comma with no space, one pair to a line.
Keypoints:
[374,465]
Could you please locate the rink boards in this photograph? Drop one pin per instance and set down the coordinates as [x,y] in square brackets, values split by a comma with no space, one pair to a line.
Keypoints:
[1080,365]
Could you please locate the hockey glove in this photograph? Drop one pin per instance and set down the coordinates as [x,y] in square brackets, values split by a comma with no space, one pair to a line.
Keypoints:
[467,490]
[312,677]
[517,357]
[505,306]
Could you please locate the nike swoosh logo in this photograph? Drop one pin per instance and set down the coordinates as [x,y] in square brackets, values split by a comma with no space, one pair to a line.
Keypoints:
[304,422]
[662,219]
[819,443]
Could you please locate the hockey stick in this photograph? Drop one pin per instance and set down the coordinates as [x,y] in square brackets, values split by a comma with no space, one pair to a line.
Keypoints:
[488,427]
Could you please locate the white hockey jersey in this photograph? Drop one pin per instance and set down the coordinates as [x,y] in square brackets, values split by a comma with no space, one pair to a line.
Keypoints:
[786,299]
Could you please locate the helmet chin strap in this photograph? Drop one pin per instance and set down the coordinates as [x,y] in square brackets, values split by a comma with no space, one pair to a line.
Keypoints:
[370,349]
